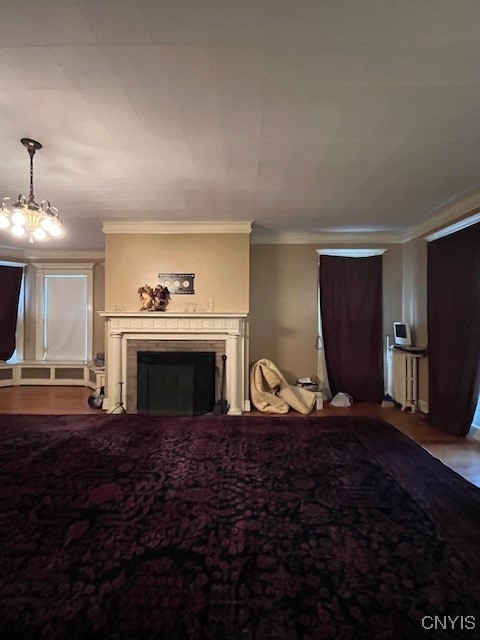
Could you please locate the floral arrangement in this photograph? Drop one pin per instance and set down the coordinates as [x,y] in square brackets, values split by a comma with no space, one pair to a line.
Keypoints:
[153,298]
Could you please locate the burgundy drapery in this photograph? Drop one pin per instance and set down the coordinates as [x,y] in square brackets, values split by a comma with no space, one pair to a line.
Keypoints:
[10,283]
[352,320]
[453,306]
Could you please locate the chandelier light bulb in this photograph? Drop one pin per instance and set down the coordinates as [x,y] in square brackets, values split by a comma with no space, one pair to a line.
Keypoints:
[56,231]
[47,224]
[39,234]
[37,221]
[18,217]
[18,231]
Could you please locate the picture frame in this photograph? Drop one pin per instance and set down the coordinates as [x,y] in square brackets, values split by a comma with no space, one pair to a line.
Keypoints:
[178,283]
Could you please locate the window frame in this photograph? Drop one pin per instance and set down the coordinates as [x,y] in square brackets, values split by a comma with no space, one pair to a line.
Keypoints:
[60,269]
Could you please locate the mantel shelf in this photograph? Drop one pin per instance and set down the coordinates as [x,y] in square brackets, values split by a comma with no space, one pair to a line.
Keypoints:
[171,314]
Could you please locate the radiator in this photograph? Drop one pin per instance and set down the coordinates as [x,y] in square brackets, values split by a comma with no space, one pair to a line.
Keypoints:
[404,378]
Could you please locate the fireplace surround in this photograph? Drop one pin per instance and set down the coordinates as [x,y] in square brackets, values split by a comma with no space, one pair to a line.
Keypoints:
[129,332]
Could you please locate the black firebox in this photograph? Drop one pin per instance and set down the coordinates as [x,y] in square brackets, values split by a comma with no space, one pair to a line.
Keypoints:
[175,383]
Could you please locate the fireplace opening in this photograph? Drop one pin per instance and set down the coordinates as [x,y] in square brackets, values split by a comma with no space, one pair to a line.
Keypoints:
[175,383]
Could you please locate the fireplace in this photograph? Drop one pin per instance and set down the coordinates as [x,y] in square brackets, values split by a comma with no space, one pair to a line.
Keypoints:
[175,383]
[133,332]
[136,346]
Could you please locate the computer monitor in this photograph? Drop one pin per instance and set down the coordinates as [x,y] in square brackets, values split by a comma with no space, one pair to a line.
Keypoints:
[402,334]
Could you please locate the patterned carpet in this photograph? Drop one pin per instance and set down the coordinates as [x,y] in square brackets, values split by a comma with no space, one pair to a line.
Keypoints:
[225,528]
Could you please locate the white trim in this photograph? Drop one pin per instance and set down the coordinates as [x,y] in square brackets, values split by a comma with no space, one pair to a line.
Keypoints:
[49,254]
[444,215]
[453,228]
[176,227]
[122,327]
[474,432]
[336,238]
[351,253]
[7,263]
[17,380]
[167,319]
[50,268]
[423,406]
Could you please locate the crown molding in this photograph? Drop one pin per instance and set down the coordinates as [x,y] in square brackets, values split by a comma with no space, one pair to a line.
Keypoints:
[49,254]
[77,266]
[12,263]
[453,228]
[456,211]
[177,227]
[327,238]
[351,253]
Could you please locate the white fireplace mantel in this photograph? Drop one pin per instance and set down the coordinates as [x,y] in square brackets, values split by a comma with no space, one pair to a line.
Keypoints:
[123,326]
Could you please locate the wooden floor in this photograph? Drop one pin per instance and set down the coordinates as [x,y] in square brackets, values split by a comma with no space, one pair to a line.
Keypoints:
[461,454]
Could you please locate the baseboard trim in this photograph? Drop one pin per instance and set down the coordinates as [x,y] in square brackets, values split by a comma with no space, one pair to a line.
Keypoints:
[58,374]
[423,406]
[474,432]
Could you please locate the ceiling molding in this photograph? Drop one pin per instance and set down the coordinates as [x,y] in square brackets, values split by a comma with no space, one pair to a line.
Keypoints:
[177,227]
[49,254]
[453,228]
[351,253]
[333,238]
[451,212]
[67,266]
[12,263]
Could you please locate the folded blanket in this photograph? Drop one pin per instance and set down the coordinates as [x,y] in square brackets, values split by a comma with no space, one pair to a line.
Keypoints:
[271,393]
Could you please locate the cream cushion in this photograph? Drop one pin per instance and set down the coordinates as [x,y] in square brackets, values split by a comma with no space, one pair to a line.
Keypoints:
[271,393]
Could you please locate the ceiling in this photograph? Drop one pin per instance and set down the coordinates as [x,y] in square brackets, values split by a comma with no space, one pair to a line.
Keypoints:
[301,115]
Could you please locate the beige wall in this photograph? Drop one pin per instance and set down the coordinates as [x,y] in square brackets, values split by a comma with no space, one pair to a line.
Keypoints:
[98,305]
[392,289]
[283,304]
[283,307]
[220,263]
[415,303]
[415,288]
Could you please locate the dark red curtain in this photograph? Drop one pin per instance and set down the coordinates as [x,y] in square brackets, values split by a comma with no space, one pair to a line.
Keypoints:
[453,306]
[352,320]
[10,283]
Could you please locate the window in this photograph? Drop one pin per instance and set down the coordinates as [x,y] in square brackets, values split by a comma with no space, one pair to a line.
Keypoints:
[352,323]
[64,312]
[320,344]
[19,334]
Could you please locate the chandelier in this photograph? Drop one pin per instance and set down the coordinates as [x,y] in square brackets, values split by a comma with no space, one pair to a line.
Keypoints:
[26,218]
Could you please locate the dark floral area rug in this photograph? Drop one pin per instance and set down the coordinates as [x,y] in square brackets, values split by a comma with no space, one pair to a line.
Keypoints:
[224,528]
